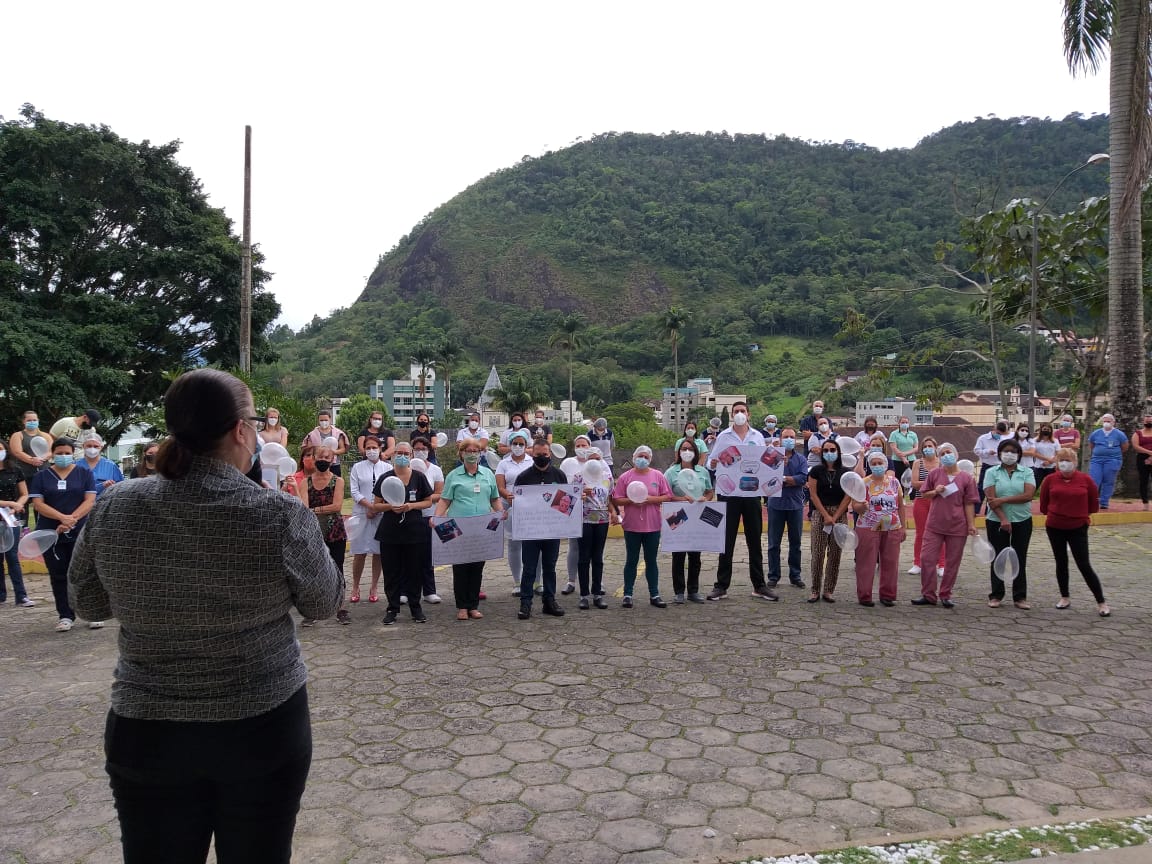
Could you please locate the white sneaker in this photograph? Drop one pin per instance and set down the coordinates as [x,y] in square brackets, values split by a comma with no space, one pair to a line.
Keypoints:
[64,626]
[403,599]
[95,625]
[939,571]
[431,598]
[27,603]
[914,569]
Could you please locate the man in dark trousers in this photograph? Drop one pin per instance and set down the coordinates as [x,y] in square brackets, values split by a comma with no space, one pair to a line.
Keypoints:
[542,553]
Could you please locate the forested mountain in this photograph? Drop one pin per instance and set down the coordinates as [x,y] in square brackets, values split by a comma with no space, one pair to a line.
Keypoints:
[811,251]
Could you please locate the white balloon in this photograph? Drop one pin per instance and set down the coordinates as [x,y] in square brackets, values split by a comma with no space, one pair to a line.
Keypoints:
[1007,565]
[330,441]
[558,451]
[441,439]
[853,485]
[7,538]
[492,459]
[287,466]
[418,465]
[40,447]
[392,490]
[906,478]
[848,446]
[965,466]
[848,460]
[272,454]
[983,551]
[594,470]
[845,537]
[35,544]
[570,467]
[637,492]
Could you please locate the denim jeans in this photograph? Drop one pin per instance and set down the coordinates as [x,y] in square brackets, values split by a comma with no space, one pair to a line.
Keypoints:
[541,554]
[777,521]
[15,573]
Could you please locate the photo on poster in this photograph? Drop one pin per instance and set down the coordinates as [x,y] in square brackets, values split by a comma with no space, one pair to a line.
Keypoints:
[447,531]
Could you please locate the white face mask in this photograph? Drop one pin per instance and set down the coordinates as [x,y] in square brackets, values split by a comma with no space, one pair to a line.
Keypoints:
[516,424]
[376,424]
[1066,467]
[324,424]
[582,452]
[686,455]
[818,410]
[739,418]
[91,452]
[271,421]
[539,421]
[372,455]
[473,425]
[1022,435]
[824,428]
[3,455]
[517,449]
[1107,424]
[1009,458]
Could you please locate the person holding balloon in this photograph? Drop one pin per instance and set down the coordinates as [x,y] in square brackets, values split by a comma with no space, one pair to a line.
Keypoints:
[272,432]
[323,493]
[404,534]
[1008,491]
[1068,499]
[878,501]
[689,481]
[326,434]
[423,451]
[640,491]
[573,467]
[599,514]
[829,508]
[516,461]
[951,520]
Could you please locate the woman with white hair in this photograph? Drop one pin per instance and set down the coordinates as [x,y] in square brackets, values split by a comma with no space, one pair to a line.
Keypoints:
[106,472]
[880,523]
[642,523]
[510,467]
[951,520]
[599,513]
[1106,448]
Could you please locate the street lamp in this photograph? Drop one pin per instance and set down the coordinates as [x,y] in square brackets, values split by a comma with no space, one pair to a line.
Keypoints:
[1094,159]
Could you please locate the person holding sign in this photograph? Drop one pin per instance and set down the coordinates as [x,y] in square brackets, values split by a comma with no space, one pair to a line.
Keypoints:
[641,491]
[1008,489]
[951,520]
[879,531]
[517,461]
[469,490]
[829,507]
[688,482]
[404,534]
[746,509]
[599,514]
[541,554]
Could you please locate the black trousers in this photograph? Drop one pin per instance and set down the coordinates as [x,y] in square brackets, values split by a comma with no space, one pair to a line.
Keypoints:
[1019,539]
[336,550]
[466,579]
[748,510]
[402,566]
[1076,539]
[57,560]
[693,572]
[591,547]
[980,486]
[1143,471]
[176,784]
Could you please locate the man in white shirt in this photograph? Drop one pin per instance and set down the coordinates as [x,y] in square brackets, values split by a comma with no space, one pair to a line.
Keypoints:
[985,450]
[324,430]
[746,509]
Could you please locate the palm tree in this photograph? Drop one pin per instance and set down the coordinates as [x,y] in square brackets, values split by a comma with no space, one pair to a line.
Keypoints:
[673,323]
[1121,29]
[425,357]
[568,338]
[517,395]
[448,351]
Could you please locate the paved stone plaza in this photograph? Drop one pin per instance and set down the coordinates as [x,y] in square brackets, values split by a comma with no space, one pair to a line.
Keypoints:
[621,736]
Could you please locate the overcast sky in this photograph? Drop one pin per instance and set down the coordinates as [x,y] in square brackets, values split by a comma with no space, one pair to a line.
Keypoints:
[366,117]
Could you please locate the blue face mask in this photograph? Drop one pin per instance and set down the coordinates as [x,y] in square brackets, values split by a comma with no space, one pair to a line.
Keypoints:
[32,425]
[62,460]
[641,462]
[929,451]
[401,461]
[789,443]
[829,456]
[948,459]
[877,469]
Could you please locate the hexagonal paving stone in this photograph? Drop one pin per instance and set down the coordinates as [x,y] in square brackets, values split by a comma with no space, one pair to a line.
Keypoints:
[882,794]
[631,835]
[446,838]
[491,790]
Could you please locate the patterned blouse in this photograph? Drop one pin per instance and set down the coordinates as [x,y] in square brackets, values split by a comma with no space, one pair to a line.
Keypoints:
[202,573]
[332,524]
[883,511]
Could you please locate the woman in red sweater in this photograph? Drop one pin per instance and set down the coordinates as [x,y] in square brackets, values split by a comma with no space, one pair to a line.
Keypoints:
[1069,498]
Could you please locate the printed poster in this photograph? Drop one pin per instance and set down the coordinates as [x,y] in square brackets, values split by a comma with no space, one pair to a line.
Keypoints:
[695,527]
[549,511]
[465,539]
[750,471]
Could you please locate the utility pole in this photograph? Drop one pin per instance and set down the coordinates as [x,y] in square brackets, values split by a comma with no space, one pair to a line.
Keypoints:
[246,261]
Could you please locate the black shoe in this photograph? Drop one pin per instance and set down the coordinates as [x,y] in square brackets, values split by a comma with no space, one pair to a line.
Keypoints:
[887,602]
[799,584]
[599,602]
[584,603]
[658,603]
[551,607]
[772,583]
[568,589]
[815,599]
[525,611]
[922,601]
[868,603]
[718,594]
[390,617]
[947,604]
[418,616]
[765,593]
[627,602]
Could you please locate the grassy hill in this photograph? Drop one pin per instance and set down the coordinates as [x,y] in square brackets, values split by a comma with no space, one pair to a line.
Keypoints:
[769,242]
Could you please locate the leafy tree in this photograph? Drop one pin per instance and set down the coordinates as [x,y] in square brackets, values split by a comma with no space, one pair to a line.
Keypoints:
[568,339]
[674,321]
[354,414]
[1121,30]
[517,394]
[448,353]
[113,269]
[424,357]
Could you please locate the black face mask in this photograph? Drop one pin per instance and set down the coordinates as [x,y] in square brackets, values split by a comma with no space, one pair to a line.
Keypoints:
[541,461]
[421,422]
[870,429]
[323,465]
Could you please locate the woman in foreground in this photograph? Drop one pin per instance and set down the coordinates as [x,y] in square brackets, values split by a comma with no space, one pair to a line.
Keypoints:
[1069,498]
[209,734]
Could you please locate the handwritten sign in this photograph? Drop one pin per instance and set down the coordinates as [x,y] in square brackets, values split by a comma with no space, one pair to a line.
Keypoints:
[465,539]
[549,511]
[693,527]
[749,471]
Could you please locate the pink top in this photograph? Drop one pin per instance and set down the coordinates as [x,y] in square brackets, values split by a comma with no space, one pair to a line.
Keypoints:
[883,510]
[946,515]
[641,518]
